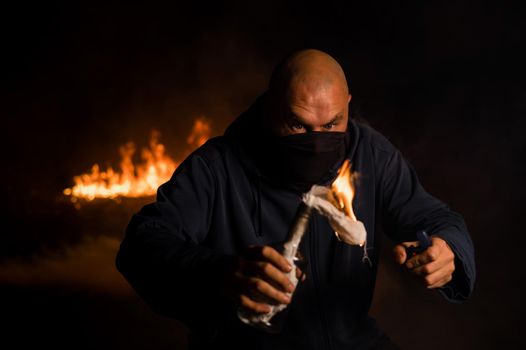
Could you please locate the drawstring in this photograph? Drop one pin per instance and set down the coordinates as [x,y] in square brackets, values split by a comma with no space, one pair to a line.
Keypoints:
[365,258]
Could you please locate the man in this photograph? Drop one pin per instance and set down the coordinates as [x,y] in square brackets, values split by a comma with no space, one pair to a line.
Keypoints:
[206,247]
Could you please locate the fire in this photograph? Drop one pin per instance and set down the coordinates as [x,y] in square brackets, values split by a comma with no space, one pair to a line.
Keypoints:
[343,189]
[135,180]
[200,133]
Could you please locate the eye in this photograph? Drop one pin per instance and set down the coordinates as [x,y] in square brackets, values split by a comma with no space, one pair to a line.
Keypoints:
[297,127]
[330,125]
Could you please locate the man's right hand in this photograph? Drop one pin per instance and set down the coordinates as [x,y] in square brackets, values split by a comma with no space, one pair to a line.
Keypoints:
[259,279]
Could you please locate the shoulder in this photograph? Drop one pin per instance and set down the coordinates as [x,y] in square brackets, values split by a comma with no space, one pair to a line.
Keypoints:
[213,150]
[373,139]
[217,156]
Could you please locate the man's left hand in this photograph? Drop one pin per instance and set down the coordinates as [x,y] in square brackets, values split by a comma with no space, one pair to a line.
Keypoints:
[434,266]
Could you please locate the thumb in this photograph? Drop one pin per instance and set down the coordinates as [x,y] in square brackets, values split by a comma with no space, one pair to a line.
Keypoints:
[399,254]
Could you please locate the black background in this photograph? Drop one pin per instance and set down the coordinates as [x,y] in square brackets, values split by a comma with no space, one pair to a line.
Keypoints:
[444,82]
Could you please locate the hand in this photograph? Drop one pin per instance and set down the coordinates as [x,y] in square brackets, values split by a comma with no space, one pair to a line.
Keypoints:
[259,279]
[434,266]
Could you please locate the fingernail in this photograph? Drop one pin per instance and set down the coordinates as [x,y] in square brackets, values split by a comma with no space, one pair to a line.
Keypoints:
[291,288]
[286,299]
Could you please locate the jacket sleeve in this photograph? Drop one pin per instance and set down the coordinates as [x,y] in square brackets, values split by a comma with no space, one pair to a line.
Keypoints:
[162,255]
[407,208]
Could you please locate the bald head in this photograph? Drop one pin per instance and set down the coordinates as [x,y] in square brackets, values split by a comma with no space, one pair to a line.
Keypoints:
[308,92]
[308,68]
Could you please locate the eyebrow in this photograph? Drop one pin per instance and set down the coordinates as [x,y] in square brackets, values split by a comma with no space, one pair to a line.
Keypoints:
[296,119]
[337,118]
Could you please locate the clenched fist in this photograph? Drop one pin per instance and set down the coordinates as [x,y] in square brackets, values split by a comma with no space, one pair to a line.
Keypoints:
[434,266]
[258,279]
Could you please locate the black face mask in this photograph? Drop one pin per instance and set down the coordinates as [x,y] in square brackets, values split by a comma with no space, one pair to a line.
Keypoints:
[301,160]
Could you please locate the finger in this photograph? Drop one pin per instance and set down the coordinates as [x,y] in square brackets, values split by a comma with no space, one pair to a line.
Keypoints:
[444,261]
[263,288]
[263,299]
[299,273]
[436,277]
[442,282]
[251,305]
[271,274]
[427,269]
[247,286]
[276,258]
[399,253]
[429,255]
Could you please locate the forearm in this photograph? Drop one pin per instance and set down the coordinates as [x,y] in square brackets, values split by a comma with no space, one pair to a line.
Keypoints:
[408,208]
[461,286]
[176,278]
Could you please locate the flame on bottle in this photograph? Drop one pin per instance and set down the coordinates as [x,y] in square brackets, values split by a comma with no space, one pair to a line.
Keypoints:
[135,180]
[343,189]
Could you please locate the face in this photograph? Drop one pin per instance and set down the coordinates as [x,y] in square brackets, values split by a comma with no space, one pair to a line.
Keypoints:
[305,110]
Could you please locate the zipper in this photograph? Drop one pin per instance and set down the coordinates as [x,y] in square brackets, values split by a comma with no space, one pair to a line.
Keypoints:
[316,280]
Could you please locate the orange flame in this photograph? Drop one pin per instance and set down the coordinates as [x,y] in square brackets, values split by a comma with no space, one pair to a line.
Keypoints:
[200,133]
[132,180]
[343,189]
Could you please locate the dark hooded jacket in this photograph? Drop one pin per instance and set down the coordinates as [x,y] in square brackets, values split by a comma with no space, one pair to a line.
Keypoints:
[219,201]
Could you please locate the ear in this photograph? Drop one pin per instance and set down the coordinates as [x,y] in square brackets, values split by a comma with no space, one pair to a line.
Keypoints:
[349,99]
